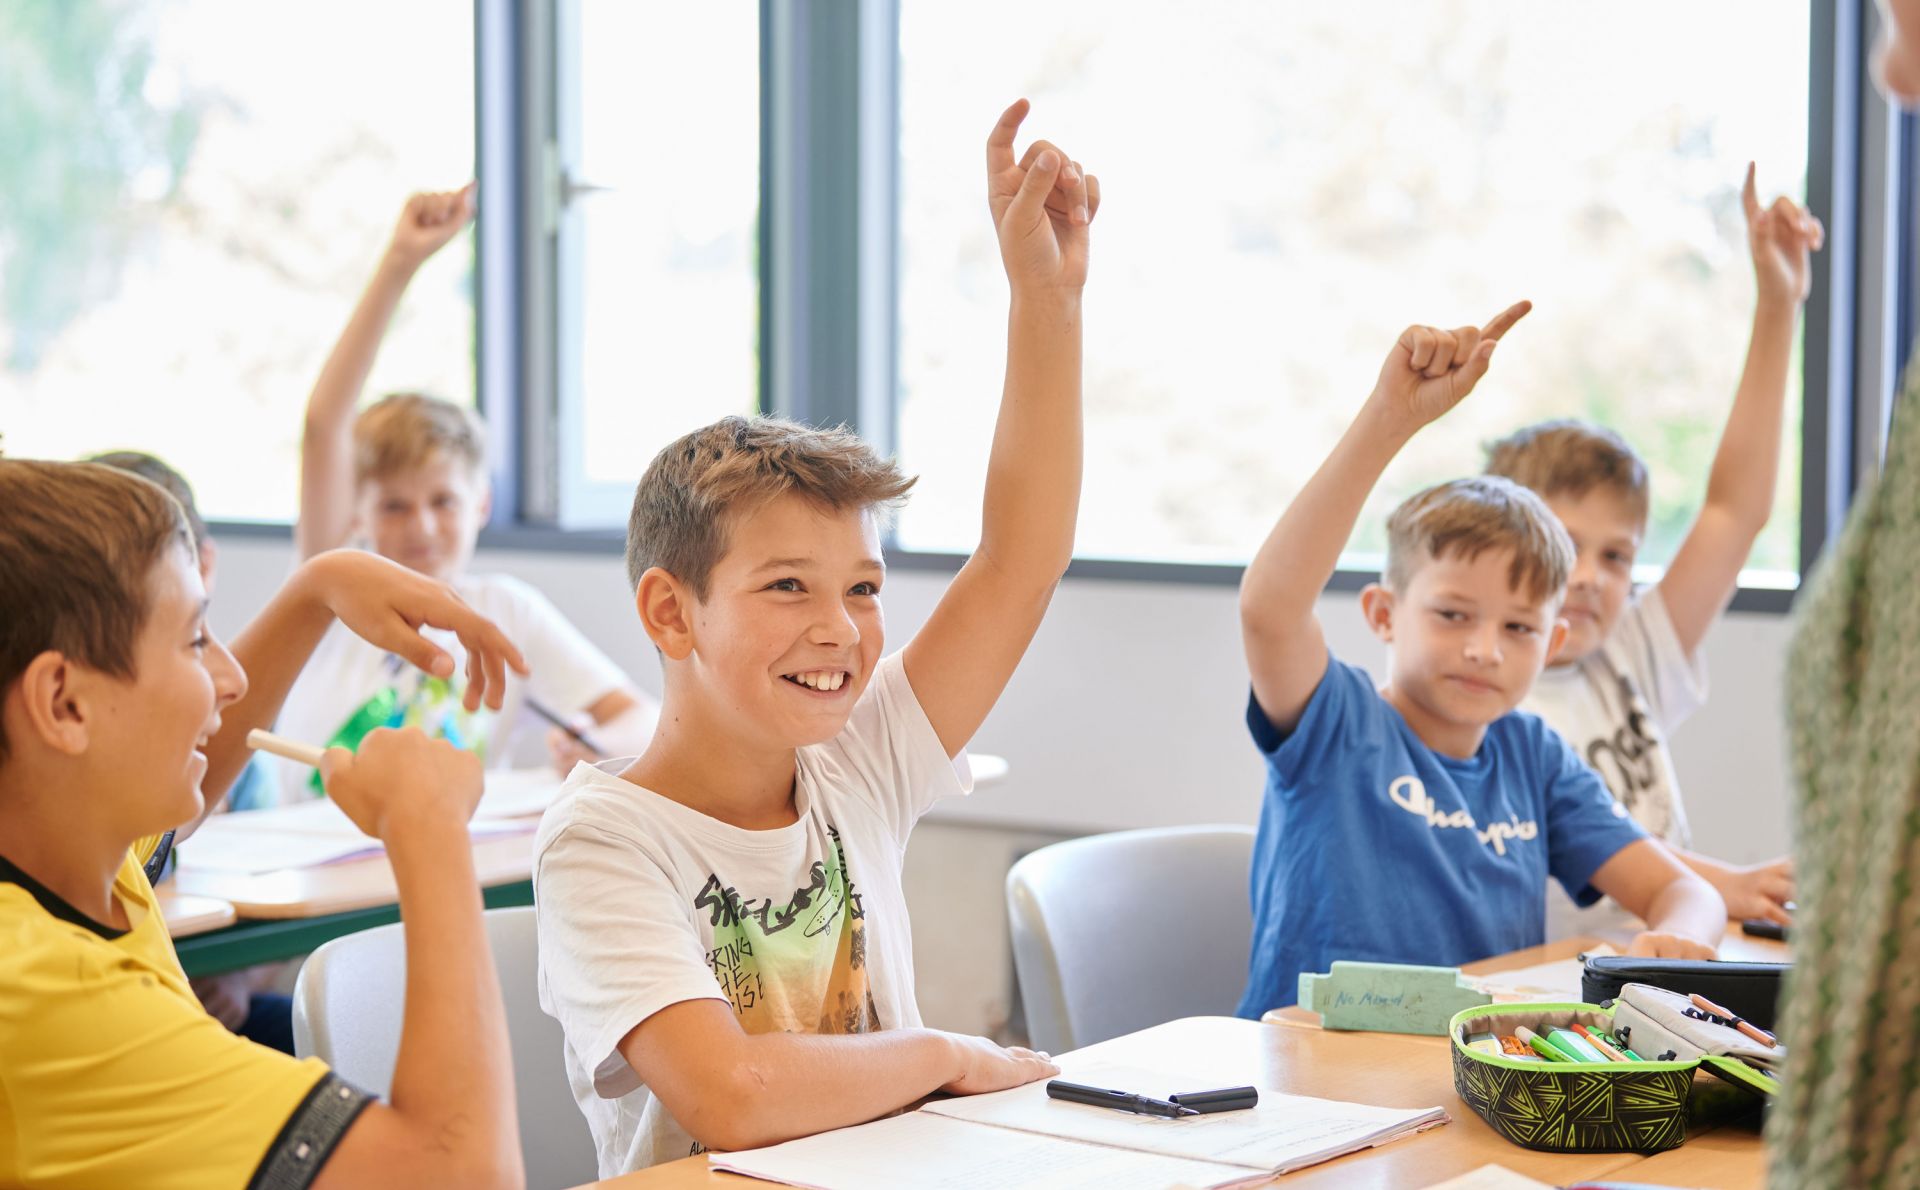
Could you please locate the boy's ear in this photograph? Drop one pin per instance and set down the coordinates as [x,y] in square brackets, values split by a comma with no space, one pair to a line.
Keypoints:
[666,612]
[1376,604]
[50,703]
[1557,637]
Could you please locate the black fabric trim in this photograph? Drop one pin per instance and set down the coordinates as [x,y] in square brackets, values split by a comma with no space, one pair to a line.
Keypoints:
[51,901]
[308,1137]
[156,865]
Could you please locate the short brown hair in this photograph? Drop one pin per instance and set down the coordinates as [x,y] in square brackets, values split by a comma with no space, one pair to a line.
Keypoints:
[153,470]
[77,544]
[401,432]
[1467,517]
[1571,457]
[681,508]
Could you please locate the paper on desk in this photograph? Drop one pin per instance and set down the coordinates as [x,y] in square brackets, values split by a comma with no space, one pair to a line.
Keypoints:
[1558,981]
[935,1153]
[1282,1133]
[1490,1177]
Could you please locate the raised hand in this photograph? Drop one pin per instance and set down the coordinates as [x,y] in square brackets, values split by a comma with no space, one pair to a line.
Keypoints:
[396,778]
[1042,205]
[1782,239]
[1430,370]
[428,222]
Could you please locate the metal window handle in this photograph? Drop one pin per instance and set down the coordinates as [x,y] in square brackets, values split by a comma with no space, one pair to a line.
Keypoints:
[571,188]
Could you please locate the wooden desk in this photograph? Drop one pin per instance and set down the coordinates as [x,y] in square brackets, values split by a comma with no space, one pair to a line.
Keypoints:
[189,915]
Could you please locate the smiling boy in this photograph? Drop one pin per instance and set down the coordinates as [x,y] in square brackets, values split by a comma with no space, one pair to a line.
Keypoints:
[1419,822]
[723,933]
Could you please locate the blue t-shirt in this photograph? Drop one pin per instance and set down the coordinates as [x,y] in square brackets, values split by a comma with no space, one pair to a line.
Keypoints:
[1373,846]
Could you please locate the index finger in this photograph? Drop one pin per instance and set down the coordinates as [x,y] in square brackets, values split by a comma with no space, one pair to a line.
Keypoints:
[1503,321]
[1000,140]
[1750,195]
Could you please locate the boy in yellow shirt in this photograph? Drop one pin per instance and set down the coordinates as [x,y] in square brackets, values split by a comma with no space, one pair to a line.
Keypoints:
[119,713]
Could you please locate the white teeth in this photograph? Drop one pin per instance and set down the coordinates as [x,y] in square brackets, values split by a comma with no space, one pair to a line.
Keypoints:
[839,680]
[820,679]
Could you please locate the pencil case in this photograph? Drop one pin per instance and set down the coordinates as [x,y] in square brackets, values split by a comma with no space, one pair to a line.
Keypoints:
[1750,989]
[1603,1107]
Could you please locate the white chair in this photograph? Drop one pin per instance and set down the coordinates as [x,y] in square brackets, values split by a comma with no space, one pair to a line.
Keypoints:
[346,1011]
[1114,933]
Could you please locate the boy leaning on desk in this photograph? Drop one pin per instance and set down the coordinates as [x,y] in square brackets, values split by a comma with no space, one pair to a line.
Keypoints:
[1418,822]
[723,935]
[123,718]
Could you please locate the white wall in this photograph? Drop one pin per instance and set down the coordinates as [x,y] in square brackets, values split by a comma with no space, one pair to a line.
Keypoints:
[1128,712]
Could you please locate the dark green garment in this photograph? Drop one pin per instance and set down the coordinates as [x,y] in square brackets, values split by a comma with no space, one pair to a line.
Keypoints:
[1850,1115]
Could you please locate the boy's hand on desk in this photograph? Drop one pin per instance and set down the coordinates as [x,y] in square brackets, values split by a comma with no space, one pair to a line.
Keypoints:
[1431,370]
[387,605]
[1783,239]
[402,778]
[1759,891]
[985,1066]
[428,223]
[1648,944]
[1042,205]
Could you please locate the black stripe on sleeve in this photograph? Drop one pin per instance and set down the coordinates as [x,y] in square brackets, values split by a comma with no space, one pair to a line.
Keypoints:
[156,865]
[308,1138]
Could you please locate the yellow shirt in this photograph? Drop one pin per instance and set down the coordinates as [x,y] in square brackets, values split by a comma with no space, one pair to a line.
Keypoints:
[111,1074]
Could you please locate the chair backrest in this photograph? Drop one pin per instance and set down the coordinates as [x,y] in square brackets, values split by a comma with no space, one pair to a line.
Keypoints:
[1115,933]
[347,1007]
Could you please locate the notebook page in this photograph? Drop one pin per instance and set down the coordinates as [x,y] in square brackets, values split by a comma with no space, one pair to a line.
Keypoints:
[930,1152]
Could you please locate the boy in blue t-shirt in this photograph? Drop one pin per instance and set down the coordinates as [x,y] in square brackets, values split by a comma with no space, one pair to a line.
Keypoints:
[1418,823]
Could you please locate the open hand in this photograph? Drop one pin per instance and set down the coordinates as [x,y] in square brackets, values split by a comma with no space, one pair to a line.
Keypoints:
[1783,239]
[1430,370]
[985,1066]
[1759,891]
[429,222]
[1652,945]
[1042,206]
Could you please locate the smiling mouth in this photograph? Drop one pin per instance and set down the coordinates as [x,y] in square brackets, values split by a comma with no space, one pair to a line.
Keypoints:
[820,681]
[1476,685]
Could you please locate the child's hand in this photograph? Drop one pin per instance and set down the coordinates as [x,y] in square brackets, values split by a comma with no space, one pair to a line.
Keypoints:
[386,604]
[1430,370]
[1042,206]
[1759,891]
[985,1066]
[1783,239]
[428,222]
[402,778]
[1652,945]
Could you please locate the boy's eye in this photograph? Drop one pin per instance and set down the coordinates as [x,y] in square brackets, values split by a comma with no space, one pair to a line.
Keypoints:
[784,584]
[1522,629]
[202,641]
[865,589]
[1450,616]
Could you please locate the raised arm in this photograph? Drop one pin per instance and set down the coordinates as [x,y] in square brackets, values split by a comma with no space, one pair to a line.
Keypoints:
[1428,372]
[1746,467]
[426,224]
[961,659]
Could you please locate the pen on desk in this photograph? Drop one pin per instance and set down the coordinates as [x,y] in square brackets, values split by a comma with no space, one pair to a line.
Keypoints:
[1225,1099]
[1751,1030]
[555,718]
[279,745]
[1144,1105]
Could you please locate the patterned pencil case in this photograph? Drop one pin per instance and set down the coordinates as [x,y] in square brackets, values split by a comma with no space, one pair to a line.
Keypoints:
[1601,1106]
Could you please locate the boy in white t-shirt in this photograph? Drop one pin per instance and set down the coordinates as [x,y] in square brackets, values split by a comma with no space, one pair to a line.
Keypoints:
[1631,669]
[408,477]
[723,935]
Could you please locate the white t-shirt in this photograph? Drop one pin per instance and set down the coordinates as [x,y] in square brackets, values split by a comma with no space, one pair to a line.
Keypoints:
[1617,708]
[644,903]
[350,687]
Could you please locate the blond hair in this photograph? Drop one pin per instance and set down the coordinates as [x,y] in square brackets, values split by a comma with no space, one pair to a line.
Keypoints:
[683,504]
[78,542]
[1468,517]
[402,432]
[1572,458]
[154,470]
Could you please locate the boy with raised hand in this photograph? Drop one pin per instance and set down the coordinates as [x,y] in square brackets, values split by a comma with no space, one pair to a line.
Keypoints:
[121,717]
[723,934]
[407,476]
[1631,670]
[1419,822]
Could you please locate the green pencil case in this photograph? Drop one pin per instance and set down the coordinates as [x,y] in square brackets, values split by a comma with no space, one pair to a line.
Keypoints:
[1604,1107]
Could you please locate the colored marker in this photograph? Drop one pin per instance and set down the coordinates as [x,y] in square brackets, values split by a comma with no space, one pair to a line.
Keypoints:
[1611,1054]
[1542,1046]
[1513,1047]
[1751,1030]
[1620,1045]
[1572,1043]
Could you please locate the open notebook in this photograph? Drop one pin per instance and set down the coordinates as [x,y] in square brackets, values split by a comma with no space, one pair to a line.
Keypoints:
[1021,1138]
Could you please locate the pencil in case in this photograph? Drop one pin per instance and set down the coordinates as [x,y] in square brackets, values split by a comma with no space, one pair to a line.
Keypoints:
[1600,1107]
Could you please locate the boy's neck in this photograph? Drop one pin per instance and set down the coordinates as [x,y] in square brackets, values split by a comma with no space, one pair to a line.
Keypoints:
[48,840]
[1461,741]
[706,768]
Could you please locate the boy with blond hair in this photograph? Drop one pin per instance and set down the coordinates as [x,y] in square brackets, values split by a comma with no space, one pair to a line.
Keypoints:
[723,934]
[408,477]
[121,717]
[1631,671]
[1430,781]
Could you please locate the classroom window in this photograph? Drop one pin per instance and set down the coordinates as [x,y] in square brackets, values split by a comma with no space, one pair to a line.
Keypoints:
[659,192]
[1290,185]
[192,195]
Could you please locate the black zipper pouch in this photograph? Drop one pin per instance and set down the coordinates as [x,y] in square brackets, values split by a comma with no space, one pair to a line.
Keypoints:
[1751,990]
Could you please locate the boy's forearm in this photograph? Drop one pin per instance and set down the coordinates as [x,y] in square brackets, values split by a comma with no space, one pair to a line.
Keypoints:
[1746,465]
[273,648]
[802,1084]
[1690,907]
[1033,475]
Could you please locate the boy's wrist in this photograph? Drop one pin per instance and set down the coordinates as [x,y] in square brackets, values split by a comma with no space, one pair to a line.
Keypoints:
[396,267]
[1776,306]
[1384,422]
[1046,299]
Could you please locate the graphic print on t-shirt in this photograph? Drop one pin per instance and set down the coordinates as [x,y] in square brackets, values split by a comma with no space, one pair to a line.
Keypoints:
[1628,761]
[433,705]
[798,967]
